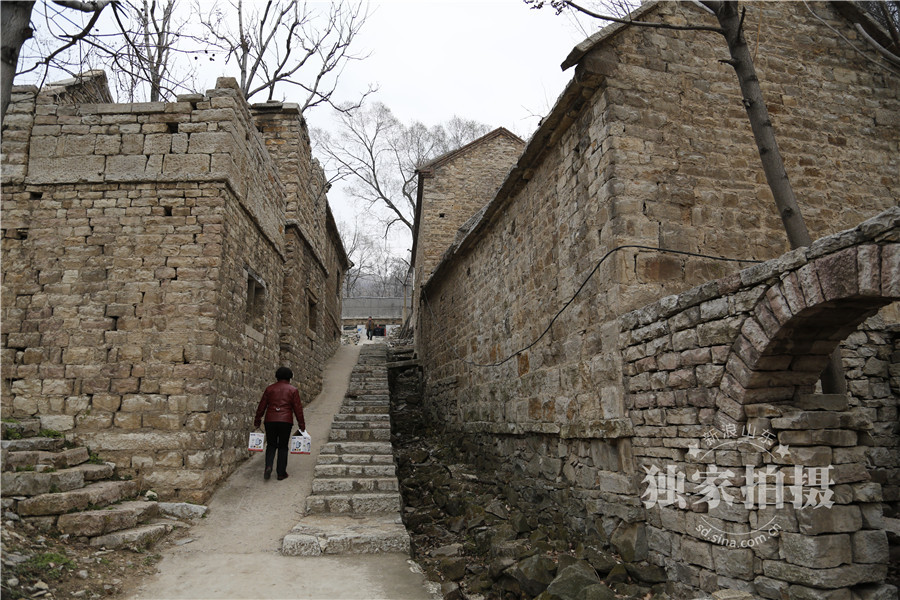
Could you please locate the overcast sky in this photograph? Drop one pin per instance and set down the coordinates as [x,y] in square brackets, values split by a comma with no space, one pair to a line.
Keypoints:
[496,62]
[493,61]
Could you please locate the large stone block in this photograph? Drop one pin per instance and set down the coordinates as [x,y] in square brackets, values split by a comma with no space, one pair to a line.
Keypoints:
[817,551]
[870,546]
[837,577]
[840,518]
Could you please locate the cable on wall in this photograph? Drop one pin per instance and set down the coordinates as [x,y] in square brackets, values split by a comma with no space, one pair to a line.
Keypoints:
[575,295]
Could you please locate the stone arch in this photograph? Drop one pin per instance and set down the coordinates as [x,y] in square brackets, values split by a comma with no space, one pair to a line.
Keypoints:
[785,342]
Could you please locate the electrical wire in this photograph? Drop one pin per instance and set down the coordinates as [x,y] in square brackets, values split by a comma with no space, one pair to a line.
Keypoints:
[848,42]
[575,295]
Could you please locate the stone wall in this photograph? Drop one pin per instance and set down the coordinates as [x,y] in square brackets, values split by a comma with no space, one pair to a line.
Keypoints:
[145,259]
[722,378]
[453,188]
[648,146]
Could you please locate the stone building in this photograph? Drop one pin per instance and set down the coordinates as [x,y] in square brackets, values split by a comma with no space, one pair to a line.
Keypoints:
[452,188]
[600,343]
[160,260]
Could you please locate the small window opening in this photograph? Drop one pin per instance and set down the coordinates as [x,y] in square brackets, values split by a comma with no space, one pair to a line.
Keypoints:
[441,215]
[313,317]
[173,127]
[256,301]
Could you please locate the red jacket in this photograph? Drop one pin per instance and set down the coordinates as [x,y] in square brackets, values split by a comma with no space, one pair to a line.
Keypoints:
[278,402]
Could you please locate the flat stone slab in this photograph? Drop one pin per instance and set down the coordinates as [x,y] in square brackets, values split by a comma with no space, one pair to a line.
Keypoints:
[99,472]
[335,471]
[355,459]
[183,510]
[93,523]
[60,460]
[33,483]
[96,494]
[357,448]
[32,444]
[316,535]
[354,485]
[359,435]
[139,537]
[351,503]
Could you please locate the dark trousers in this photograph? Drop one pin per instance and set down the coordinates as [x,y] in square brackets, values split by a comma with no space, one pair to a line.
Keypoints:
[277,437]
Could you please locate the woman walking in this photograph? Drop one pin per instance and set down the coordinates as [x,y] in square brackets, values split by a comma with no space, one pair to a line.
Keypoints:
[279,403]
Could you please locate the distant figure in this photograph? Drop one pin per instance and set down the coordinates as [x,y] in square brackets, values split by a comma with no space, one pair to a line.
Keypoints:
[370,328]
[280,402]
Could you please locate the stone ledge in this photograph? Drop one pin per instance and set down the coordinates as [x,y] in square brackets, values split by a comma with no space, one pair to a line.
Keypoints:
[605,429]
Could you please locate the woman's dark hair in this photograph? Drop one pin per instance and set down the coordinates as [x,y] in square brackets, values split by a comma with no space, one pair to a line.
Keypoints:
[284,373]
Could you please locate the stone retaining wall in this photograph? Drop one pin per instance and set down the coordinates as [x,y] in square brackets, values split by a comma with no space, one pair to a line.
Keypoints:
[649,146]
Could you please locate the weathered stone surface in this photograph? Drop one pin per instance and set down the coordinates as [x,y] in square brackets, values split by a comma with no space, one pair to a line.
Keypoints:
[570,582]
[183,510]
[101,493]
[99,522]
[138,537]
[837,577]
[31,483]
[839,518]
[335,534]
[818,551]
[534,573]
[870,546]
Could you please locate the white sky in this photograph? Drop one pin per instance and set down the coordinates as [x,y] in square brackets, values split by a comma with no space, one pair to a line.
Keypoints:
[496,62]
[493,61]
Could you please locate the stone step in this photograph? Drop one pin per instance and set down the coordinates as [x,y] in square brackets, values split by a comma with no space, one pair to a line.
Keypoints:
[101,493]
[357,448]
[359,400]
[20,428]
[355,459]
[336,471]
[355,391]
[353,503]
[139,538]
[97,472]
[364,409]
[34,483]
[316,535]
[360,435]
[93,523]
[380,425]
[359,418]
[60,460]
[50,444]
[355,485]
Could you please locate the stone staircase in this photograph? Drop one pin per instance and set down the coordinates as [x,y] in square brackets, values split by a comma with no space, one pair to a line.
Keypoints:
[62,490]
[354,507]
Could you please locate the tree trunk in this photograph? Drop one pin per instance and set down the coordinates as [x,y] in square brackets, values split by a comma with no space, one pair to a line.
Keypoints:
[16,29]
[833,380]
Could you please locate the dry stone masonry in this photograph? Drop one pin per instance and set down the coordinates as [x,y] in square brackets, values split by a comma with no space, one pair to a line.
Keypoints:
[354,507]
[620,209]
[160,261]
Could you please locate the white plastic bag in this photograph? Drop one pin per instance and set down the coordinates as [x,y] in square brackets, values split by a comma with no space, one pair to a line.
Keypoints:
[257,441]
[301,444]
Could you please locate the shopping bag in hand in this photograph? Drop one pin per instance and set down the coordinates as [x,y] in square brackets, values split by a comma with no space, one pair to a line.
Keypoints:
[301,443]
[257,441]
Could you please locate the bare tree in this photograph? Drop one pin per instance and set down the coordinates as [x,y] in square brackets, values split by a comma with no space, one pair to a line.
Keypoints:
[378,156]
[361,249]
[141,52]
[287,42]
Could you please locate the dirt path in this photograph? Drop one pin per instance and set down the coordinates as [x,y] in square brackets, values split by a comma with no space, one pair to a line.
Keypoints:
[235,552]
